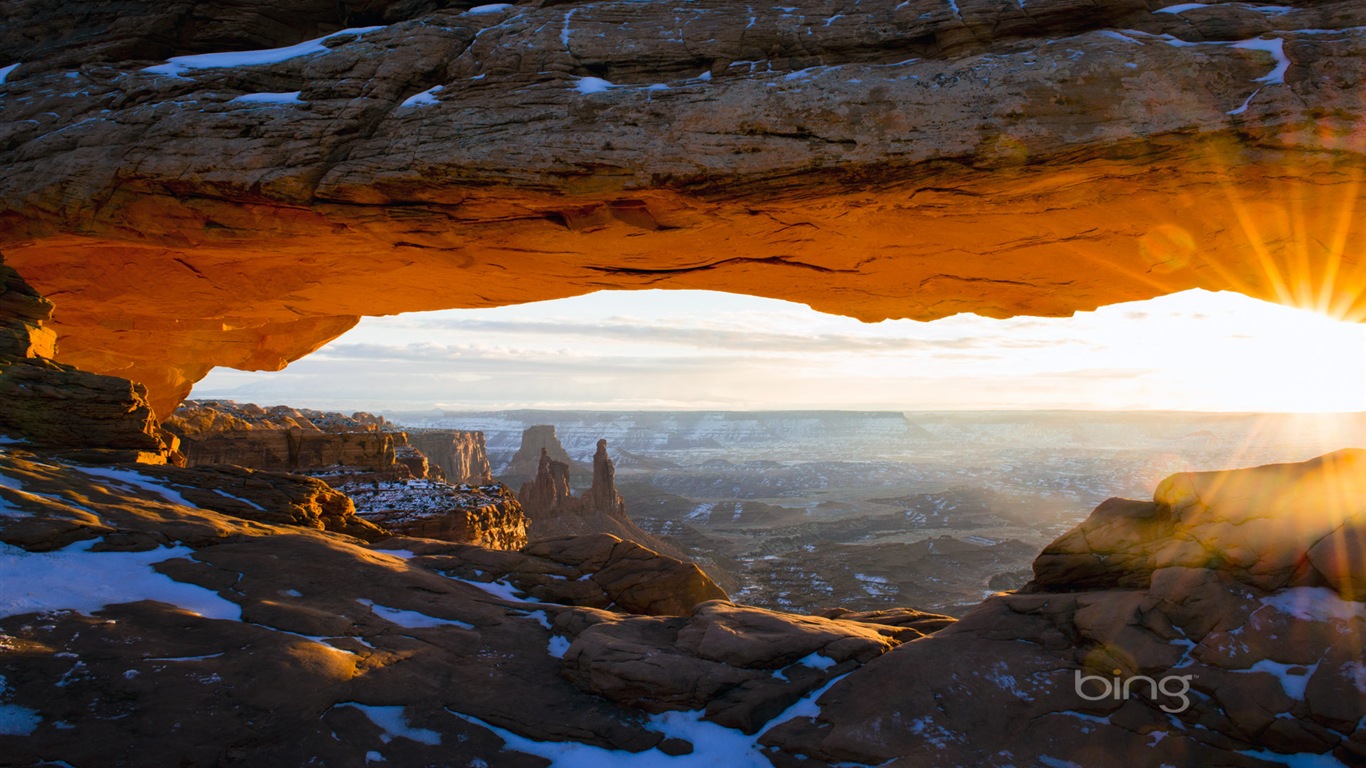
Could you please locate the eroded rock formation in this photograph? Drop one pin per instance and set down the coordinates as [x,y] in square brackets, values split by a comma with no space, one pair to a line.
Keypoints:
[282,438]
[549,492]
[914,159]
[602,498]
[460,455]
[555,512]
[50,405]
[365,457]
[539,443]
[486,516]
[595,571]
[1226,578]
[742,665]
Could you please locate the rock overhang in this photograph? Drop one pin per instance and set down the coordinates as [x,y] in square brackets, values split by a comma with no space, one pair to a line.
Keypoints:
[916,161]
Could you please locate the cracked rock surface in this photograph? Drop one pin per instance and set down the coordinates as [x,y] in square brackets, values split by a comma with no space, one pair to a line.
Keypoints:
[188,200]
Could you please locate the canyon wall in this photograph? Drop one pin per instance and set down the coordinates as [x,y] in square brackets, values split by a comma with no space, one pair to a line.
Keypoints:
[460,454]
[916,159]
[281,438]
[486,516]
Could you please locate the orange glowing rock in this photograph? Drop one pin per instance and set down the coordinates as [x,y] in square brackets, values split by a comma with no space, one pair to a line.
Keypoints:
[899,162]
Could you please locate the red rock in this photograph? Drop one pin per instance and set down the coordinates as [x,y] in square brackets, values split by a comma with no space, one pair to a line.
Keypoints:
[49,405]
[460,455]
[995,159]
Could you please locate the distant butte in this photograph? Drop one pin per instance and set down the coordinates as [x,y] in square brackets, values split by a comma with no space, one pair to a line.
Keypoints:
[915,159]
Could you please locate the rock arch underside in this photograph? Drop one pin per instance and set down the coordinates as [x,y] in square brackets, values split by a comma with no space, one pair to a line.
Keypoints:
[192,184]
[874,159]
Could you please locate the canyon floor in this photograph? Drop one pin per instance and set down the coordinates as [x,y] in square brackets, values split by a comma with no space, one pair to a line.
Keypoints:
[216,615]
[808,511]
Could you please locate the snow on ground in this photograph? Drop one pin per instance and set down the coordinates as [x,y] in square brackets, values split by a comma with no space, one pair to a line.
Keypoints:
[424,98]
[816,661]
[412,619]
[498,589]
[586,85]
[714,746]
[1315,604]
[493,8]
[1182,8]
[76,579]
[9,510]
[248,502]
[4,73]
[417,499]
[178,64]
[1294,677]
[292,97]
[129,478]
[1301,760]
[558,646]
[1275,47]
[395,725]
[14,719]
[539,617]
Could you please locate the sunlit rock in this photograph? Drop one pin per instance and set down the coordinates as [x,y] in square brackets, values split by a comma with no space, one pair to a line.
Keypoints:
[892,160]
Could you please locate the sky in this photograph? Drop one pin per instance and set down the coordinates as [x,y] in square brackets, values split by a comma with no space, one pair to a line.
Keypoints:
[700,350]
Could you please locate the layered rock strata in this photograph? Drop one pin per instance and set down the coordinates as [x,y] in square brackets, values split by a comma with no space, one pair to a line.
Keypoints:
[47,404]
[485,516]
[549,491]
[284,438]
[461,455]
[913,159]
[364,456]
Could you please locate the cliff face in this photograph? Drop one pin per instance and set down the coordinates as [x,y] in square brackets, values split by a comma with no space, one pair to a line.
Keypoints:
[292,449]
[913,159]
[50,405]
[486,516]
[461,455]
[283,438]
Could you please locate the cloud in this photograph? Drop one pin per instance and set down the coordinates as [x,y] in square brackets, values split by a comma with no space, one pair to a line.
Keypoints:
[701,337]
[739,352]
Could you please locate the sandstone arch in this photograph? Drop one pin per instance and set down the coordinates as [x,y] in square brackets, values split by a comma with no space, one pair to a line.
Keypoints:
[915,161]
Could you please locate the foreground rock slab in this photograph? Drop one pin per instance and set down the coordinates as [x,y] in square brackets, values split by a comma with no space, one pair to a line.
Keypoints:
[1203,605]
[165,616]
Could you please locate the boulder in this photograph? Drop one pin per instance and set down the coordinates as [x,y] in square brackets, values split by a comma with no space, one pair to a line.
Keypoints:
[1215,612]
